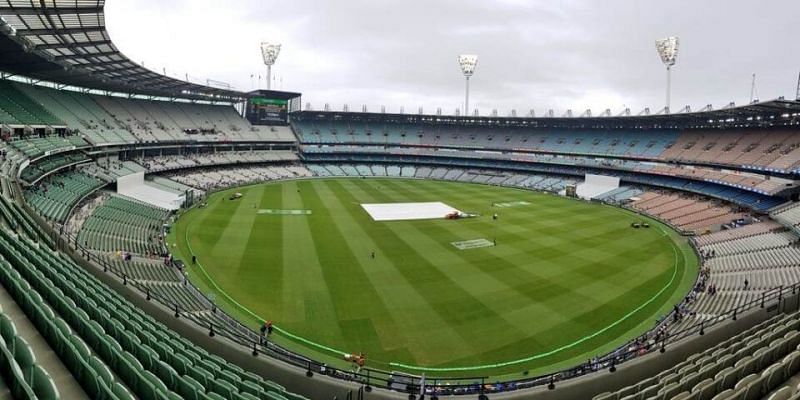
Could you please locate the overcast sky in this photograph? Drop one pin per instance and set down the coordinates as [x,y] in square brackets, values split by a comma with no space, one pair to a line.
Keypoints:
[560,54]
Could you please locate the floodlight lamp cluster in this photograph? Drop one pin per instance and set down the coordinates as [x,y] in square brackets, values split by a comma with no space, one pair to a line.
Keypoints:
[270,51]
[668,50]
[468,63]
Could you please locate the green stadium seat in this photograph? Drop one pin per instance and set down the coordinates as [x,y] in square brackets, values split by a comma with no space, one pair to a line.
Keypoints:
[705,389]
[724,395]
[684,396]
[274,396]
[122,393]
[167,375]
[245,396]
[205,378]
[212,396]
[251,388]
[226,389]
[23,355]
[7,328]
[189,388]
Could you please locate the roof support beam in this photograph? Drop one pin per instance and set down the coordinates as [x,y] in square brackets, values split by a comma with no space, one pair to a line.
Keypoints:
[125,70]
[137,82]
[71,45]
[63,31]
[103,64]
[87,55]
[93,9]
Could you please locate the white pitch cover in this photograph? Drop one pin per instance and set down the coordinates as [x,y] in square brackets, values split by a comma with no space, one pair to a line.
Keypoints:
[407,211]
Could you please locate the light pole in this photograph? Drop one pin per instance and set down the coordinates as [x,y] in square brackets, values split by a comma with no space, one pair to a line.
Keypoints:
[668,51]
[467,63]
[270,51]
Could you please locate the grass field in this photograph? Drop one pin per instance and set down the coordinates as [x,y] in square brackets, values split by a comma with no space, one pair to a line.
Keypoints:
[566,281]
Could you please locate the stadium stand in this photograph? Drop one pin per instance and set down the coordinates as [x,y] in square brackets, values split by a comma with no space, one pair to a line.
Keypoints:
[689,213]
[788,215]
[215,178]
[166,163]
[33,147]
[18,109]
[104,120]
[51,164]
[120,224]
[760,150]
[749,365]
[55,196]
[115,349]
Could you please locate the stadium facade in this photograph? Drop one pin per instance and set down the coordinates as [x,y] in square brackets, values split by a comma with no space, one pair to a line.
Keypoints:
[77,118]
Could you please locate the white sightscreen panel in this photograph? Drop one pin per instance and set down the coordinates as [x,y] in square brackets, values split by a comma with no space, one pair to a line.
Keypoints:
[133,186]
[601,180]
[131,180]
[595,185]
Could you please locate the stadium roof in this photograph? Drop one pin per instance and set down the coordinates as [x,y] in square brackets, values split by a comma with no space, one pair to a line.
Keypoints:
[778,112]
[66,42]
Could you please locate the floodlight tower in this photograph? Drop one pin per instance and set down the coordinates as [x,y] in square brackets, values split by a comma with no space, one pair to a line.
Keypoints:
[270,51]
[467,63]
[668,51]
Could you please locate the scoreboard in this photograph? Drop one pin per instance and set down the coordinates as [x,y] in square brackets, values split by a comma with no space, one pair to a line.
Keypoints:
[265,111]
[270,107]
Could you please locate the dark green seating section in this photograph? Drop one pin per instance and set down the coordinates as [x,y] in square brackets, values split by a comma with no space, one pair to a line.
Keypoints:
[54,196]
[108,344]
[746,366]
[18,109]
[26,379]
[36,146]
[124,225]
[43,166]
[17,219]
[180,294]
[144,270]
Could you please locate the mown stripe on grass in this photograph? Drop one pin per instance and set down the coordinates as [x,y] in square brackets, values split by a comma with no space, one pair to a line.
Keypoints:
[410,312]
[306,299]
[342,270]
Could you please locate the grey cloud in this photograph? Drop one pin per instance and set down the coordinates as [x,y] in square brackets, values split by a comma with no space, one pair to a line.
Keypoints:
[533,54]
